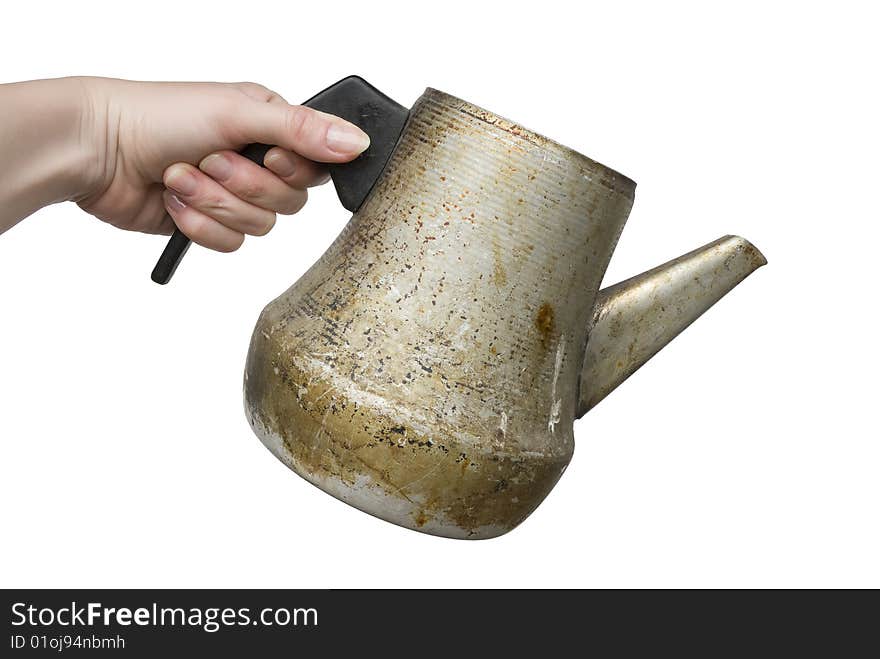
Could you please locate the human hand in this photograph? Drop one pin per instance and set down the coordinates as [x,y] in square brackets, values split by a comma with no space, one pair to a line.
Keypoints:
[165,154]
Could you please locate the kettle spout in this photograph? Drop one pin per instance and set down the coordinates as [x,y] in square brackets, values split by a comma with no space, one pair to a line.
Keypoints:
[634,319]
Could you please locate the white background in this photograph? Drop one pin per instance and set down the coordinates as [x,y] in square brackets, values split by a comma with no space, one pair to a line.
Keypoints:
[745,454]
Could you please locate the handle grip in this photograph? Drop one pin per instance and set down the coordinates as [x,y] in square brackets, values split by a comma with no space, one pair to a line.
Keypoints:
[356,101]
[178,244]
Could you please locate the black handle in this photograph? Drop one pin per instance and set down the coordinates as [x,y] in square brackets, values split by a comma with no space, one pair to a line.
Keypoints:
[355,100]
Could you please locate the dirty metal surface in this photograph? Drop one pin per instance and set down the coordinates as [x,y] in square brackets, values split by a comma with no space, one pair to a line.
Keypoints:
[426,368]
[634,319]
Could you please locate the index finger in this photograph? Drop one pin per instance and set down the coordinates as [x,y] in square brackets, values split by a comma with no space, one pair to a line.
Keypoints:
[316,135]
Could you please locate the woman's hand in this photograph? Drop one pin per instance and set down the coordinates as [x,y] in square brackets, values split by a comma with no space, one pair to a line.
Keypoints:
[145,156]
[163,149]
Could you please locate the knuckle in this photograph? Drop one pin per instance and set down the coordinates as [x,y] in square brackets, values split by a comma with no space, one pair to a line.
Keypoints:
[250,86]
[254,90]
[232,244]
[214,204]
[294,203]
[263,225]
[253,189]
[299,122]
[196,227]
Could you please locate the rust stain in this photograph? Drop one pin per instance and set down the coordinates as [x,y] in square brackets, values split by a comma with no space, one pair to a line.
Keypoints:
[499,273]
[545,321]
[400,407]
[386,374]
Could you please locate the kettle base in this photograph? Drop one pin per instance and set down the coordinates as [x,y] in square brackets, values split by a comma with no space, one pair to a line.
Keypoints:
[379,458]
[367,495]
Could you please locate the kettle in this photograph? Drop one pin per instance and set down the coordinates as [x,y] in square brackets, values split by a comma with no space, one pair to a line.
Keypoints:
[428,368]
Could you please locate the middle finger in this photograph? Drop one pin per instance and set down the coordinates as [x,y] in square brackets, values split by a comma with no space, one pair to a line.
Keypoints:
[204,194]
[256,185]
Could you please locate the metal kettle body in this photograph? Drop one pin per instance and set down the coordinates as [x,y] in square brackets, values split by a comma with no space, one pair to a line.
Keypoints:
[428,368]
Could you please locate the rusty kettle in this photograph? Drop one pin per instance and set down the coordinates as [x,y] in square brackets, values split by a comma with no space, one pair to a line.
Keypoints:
[429,367]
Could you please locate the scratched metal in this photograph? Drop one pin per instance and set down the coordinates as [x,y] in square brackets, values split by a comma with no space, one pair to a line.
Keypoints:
[426,368]
[634,319]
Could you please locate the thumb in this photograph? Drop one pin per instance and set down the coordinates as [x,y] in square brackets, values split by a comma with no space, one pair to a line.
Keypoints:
[315,135]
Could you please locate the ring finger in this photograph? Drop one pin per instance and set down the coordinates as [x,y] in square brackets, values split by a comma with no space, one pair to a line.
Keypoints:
[199,191]
[200,228]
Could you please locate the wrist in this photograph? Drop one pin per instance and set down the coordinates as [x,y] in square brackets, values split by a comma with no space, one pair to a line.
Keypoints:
[52,139]
[63,112]
[84,166]
[45,141]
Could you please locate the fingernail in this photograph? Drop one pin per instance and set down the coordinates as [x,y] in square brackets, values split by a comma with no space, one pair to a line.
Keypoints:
[280,165]
[174,204]
[182,181]
[346,138]
[217,167]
